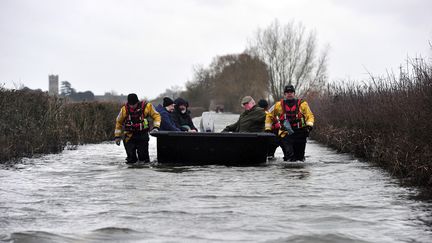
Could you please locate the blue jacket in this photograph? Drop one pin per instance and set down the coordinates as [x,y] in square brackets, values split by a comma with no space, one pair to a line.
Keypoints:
[166,123]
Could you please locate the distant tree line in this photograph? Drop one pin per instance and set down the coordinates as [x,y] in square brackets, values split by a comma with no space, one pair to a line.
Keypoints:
[67,91]
[172,92]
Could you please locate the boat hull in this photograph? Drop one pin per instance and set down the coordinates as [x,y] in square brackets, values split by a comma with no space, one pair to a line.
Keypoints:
[236,149]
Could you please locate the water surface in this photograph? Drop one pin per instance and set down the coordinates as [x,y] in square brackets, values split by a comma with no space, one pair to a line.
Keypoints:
[90,195]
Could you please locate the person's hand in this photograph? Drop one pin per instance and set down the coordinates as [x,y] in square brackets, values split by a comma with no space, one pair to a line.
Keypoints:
[192,130]
[155,129]
[309,128]
[117,141]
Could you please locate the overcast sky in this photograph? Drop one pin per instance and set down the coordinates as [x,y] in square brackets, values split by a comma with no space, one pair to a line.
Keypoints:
[147,46]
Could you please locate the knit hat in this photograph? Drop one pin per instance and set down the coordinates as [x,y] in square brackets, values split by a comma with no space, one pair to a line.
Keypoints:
[167,101]
[263,103]
[132,99]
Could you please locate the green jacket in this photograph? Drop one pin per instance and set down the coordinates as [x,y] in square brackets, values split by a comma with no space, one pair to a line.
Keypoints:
[252,120]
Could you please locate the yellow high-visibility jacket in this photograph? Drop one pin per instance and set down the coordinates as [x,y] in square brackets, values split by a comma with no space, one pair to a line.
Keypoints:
[269,120]
[149,110]
[277,110]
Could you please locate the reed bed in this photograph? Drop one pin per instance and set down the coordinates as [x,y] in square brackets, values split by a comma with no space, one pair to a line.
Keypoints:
[386,120]
[32,122]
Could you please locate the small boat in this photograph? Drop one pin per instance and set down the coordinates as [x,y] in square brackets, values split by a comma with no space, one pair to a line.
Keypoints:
[210,148]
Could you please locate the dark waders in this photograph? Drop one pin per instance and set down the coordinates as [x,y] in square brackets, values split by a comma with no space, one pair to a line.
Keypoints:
[294,145]
[137,144]
[273,145]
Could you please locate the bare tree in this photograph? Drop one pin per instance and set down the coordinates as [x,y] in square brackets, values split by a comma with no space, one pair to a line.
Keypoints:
[291,57]
[173,92]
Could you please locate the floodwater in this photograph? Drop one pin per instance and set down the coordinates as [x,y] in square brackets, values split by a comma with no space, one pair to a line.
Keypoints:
[90,195]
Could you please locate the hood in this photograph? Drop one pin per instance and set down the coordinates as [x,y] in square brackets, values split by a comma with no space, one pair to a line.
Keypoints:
[181,101]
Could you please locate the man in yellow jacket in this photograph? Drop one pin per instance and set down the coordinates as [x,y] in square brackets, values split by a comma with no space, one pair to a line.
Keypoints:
[296,121]
[132,125]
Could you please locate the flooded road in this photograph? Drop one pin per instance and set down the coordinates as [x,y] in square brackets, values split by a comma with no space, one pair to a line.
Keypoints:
[90,195]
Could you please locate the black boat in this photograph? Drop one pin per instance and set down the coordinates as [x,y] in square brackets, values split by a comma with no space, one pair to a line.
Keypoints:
[210,148]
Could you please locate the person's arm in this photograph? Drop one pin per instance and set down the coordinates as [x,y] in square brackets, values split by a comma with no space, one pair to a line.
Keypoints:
[191,125]
[151,111]
[119,123]
[231,128]
[168,123]
[273,113]
[176,120]
[269,121]
[307,113]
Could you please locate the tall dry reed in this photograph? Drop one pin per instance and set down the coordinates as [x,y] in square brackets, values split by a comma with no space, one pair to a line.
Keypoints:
[387,121]
[32,122]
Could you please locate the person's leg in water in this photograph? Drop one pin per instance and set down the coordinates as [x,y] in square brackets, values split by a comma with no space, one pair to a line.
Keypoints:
[299,145]
[142,147]
[299,150]
[274,144]
[287,148]
[131,150]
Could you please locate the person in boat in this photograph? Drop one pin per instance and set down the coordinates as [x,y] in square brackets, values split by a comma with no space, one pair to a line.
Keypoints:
[165,109]
[275,143]
[132,125]
[251,120]
[296,119]
[181,116]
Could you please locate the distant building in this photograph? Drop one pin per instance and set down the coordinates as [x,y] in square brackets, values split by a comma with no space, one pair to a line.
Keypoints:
[53,88]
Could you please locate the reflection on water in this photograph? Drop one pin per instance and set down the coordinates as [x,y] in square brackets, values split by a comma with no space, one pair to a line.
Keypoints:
[90,195]
[174,169]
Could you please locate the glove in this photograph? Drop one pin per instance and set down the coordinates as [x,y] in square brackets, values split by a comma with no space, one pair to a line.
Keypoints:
[155,129]
[287,127]
[117,141]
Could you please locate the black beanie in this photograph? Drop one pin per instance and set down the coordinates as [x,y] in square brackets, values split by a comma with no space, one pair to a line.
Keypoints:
[167,101]
[263,103]
[132,99]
